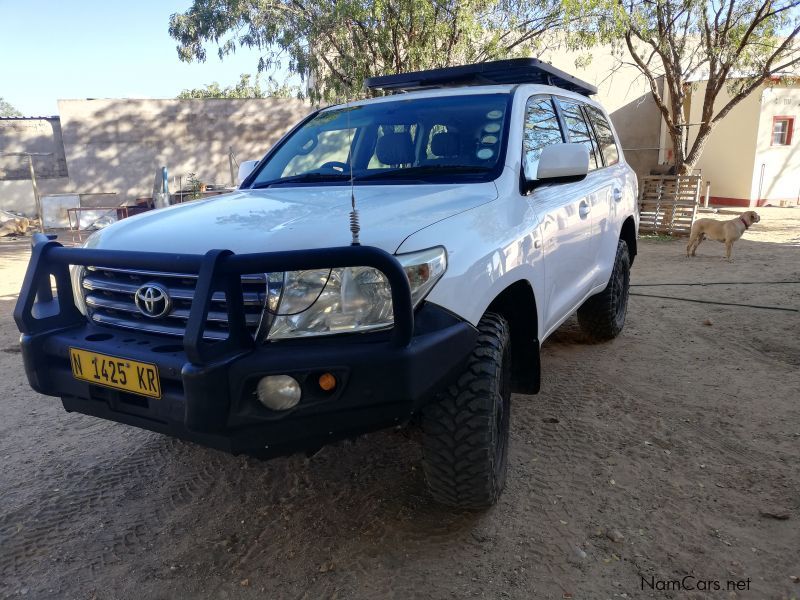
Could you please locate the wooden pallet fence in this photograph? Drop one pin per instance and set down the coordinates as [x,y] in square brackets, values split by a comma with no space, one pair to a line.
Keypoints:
[668,204]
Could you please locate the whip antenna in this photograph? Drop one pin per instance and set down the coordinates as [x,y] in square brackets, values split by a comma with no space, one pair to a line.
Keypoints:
[355,227]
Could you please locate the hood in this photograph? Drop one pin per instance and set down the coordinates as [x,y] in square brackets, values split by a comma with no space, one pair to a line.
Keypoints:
[293,218]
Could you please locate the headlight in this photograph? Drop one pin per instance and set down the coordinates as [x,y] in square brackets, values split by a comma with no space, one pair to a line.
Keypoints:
[76,274]
[328,301]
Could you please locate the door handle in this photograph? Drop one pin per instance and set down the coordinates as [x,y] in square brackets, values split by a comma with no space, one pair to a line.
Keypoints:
[617,193]
[584,209]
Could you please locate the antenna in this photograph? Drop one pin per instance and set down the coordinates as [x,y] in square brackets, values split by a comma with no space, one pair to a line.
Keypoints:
[355,227]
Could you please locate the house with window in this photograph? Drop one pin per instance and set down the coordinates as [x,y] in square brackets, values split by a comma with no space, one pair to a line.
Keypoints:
[752,157]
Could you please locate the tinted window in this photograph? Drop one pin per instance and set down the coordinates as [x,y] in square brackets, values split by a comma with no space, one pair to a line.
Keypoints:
[578,128]
[605,137]
[541,129]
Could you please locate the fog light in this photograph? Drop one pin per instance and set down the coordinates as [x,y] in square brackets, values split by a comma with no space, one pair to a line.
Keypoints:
[278,392]
[327,382]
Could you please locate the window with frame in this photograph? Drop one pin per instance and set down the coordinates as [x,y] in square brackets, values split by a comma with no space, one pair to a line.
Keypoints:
[541,129]
[782,129]
[605,135]
[578,130]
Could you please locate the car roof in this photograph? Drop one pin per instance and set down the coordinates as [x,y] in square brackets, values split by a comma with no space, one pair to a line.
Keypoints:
[470,90]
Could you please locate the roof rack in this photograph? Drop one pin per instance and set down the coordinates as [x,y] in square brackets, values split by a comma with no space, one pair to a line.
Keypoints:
[510,71]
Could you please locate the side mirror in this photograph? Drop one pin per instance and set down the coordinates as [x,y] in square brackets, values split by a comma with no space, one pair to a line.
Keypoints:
[245,169]
[563,161]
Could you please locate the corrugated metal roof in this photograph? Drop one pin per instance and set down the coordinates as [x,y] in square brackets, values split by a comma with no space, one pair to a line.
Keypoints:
[28,118]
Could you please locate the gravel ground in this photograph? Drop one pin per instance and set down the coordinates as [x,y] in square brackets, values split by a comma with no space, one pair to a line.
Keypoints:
[671,451]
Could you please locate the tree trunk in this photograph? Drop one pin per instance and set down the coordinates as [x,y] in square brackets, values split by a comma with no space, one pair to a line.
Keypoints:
[697,147]
[677,136]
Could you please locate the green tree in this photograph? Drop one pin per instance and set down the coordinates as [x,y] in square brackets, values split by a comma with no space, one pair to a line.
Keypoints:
[334,46]
[243,89]
[735,45]
[6,110]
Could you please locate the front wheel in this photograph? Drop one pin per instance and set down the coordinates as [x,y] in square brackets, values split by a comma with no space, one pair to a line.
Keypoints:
[465,430]
[602,316]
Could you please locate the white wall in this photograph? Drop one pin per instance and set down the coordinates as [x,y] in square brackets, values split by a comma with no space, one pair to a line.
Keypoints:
[728,157]
[780,165]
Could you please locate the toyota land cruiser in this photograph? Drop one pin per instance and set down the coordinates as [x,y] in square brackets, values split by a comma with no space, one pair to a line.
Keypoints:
[389,260]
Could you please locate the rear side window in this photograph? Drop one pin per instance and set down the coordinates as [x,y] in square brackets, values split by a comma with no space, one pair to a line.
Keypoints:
[541,129]
[605,137]
[578,129]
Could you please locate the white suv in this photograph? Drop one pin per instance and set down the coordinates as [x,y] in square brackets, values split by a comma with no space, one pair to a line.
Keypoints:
[390,260]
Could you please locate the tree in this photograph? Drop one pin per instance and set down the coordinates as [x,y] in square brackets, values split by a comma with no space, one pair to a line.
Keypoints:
[243,89]
[6,110]
[334,46]
[735,45]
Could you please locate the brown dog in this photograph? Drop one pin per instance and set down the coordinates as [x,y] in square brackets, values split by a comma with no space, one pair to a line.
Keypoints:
[722,231]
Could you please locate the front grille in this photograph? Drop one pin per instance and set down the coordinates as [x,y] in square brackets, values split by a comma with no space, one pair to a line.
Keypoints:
[109,296]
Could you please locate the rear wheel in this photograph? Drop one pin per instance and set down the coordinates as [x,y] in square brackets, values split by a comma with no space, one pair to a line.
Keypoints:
[466,430]
[602,316]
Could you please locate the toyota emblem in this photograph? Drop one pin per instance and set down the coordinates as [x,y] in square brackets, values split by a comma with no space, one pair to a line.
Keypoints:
[153,301]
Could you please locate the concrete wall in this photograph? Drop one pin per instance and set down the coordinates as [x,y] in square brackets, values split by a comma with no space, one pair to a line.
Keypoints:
[36,135]
[117,145]
[777,168]
[625,94]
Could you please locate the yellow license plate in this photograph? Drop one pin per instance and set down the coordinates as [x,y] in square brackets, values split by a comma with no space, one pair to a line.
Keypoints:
[114,372]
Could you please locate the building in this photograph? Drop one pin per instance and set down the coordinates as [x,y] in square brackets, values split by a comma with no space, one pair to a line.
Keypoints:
[752,157]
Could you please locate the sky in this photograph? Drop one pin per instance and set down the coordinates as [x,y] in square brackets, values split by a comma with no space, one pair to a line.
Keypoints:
[68,49]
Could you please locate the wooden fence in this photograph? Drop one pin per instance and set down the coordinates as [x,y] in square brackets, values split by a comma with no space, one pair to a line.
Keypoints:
[668,204]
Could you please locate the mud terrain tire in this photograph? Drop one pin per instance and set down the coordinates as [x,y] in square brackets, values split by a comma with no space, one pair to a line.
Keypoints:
[466,430]
[602,316]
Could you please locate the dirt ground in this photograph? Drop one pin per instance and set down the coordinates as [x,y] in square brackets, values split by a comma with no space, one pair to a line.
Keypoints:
[680,440]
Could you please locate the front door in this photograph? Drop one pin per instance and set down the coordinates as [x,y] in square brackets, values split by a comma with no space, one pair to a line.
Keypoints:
[564,211]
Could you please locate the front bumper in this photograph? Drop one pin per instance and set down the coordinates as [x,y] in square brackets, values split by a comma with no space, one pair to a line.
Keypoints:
[208,390]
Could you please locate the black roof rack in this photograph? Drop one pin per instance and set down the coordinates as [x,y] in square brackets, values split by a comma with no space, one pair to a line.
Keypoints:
[510,71]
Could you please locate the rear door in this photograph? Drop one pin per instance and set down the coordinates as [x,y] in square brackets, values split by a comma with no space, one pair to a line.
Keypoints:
[610,206]
[595,190]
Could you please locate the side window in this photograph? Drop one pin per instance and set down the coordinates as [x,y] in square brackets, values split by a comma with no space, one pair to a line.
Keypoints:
[541,129]
[605,136]
[578,128]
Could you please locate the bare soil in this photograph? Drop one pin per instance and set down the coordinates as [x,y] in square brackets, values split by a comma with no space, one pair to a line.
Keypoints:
[673,450]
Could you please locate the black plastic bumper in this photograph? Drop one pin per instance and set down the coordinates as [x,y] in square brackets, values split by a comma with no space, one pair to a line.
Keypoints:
[208,390]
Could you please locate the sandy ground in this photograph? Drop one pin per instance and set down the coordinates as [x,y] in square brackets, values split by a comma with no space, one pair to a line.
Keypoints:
[678,440]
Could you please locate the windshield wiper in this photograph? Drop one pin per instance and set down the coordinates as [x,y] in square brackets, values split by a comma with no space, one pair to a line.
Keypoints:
[414,172]
[304,178]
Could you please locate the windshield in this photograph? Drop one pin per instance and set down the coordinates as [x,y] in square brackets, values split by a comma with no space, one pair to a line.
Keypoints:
[441,139]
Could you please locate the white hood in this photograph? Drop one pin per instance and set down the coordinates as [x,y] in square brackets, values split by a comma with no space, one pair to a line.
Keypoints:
[293,218]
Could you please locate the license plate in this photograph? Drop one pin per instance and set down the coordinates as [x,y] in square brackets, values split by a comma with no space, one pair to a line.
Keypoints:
[114,372]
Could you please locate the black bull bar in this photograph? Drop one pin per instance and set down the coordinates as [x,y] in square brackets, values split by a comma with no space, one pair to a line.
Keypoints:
[38,311]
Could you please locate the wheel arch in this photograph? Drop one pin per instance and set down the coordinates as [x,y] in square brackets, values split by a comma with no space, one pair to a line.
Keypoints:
[628,235]
[517,303]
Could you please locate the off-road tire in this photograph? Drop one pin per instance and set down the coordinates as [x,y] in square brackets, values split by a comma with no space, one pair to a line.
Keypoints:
[602,316]
[465,430]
